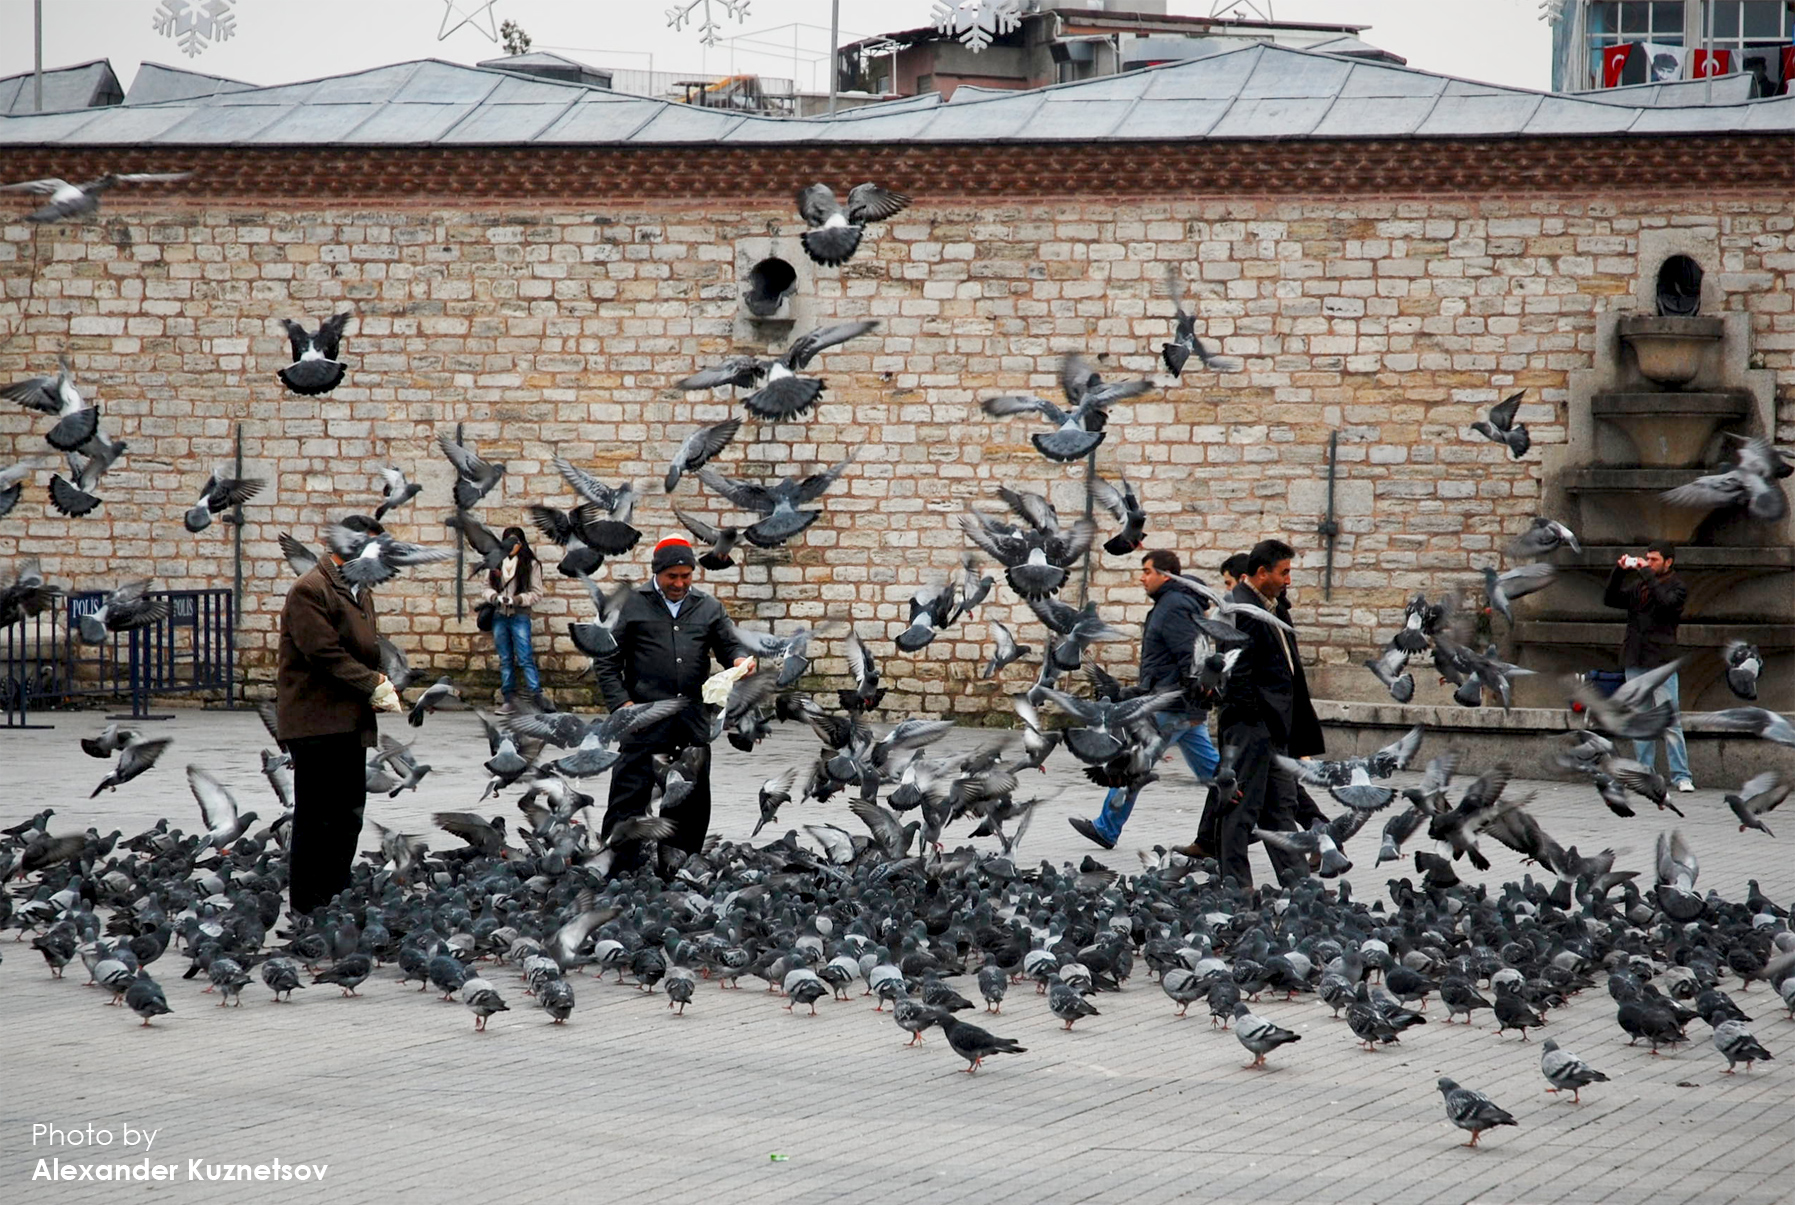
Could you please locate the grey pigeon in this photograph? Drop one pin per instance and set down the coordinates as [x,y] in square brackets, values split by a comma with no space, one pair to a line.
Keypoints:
[1544,537]
[369,560]
[1504,588]
[1472,1111]
[483,1000]
[1388,669]
[1749,482]
[137,755]
[975,1045]
[1502,428]
[347,973]
[1185,343]
[1079,429]
[1755,720]
[122,610]
[1733,1040]
[719,543]
[1759,795]
[144,997]
[82,200]
[315,368]
[221,492]
[777,503]
[696,450]
[1566,1072]
[475,478]
[835,229]
[395,491]
[1743,665]
[1258,1035]
[785,394]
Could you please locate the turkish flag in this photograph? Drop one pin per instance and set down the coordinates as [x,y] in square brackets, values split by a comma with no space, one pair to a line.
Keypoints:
[1788,66]
[1710,62]
[1614,61]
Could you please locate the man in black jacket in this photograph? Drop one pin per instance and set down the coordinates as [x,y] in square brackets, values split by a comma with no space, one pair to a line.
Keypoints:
[1265,711]
[667,636]
[1650,592]
[1167,639]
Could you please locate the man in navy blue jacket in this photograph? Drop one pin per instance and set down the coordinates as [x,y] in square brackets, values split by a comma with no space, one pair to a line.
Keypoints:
[1167,640]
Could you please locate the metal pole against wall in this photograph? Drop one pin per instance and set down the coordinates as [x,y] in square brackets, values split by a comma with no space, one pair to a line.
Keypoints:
[37,73]
[1090,480]
[460,557]
[230,670]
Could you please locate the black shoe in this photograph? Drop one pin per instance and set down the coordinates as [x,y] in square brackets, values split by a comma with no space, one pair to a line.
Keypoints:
[1088,831]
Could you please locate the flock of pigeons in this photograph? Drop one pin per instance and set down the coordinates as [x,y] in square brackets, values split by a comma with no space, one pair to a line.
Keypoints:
[890,905]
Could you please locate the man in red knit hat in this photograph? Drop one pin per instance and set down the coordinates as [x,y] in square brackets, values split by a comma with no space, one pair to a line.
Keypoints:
[667,637]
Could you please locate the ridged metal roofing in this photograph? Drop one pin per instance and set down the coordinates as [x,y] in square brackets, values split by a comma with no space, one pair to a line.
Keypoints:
[1253,92]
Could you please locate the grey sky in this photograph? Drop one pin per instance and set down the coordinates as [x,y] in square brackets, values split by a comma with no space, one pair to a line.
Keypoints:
[276,41]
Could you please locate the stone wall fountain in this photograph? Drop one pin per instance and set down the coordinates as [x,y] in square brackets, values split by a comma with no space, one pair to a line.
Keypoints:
[1667,391]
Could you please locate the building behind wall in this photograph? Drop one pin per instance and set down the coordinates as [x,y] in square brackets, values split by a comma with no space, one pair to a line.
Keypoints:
[1381,252]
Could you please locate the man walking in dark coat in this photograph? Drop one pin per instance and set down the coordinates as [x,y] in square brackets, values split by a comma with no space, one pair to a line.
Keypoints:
[327,687]
[1265,711]
[1168,638]
[667,638]
[1652,594]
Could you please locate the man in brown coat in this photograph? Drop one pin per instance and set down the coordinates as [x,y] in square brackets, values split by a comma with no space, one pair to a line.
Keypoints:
[327,687]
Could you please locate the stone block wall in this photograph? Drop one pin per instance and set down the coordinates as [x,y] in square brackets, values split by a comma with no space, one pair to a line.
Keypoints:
[552,329]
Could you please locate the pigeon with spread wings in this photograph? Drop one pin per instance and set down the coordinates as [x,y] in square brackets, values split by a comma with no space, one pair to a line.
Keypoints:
[82,200]
[315,368]
[836,229]
[778,503]
[785,394]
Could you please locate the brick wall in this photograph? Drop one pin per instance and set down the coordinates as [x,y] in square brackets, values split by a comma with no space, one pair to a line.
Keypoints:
[557,331]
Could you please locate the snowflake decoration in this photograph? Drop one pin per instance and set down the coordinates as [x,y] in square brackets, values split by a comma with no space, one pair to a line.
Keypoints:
[679,15]
[195,26]
[977,22]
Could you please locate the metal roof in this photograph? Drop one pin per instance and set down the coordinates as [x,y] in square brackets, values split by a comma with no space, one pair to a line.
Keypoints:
[157,82]
[1252,92]
[79,87]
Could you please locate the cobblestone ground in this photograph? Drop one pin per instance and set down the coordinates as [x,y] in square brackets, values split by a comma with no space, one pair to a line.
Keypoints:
[741,1101]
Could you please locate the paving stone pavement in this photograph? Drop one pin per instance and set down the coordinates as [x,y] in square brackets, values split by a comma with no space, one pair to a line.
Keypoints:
[397,1094]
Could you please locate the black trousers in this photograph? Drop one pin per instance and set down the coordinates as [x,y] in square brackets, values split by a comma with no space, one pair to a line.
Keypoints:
[632,788]
[330,791]
[1268,800]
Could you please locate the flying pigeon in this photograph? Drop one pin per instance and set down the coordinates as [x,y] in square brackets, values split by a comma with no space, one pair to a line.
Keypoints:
[122,610]
[785,394]
[1502,427]
[835,229]
[1743,665]
[1749,482]
[1759,795]
[1079,429]
[1545,537]
[82,200]
[778,503]
[369,559]
[1126,509]
[396,491]
[476,478]
[221,492]
[315,368]
[1504,588]
[696,450]
[136,755]
[720,542]
[1185,343]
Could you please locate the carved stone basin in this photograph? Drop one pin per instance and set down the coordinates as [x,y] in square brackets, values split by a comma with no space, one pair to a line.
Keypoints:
[1670,350]
[1667,430]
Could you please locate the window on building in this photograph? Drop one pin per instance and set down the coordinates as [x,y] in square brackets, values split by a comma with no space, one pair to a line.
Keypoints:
[1617,22]
[1755,32]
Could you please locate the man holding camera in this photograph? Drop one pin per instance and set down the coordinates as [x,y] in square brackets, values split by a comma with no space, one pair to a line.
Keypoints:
[1648,589]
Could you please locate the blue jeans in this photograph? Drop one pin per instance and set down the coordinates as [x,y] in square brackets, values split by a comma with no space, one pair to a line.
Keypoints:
[1676,751]
[511,638]
[1199,754]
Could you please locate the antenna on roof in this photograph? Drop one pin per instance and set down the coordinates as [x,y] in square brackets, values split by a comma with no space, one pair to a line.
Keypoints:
[1240,10]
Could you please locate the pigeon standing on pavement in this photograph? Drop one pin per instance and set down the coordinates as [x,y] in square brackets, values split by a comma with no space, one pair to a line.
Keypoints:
[1472,1111]
[975,1045]
[1258,1035]
[1566,1072]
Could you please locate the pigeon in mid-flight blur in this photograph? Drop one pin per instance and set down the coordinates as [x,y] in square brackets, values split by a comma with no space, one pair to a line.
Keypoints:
[1079,429]
[778,503]
[1185,343]
[1502,428]
[123,609]
[785,394]
[82,200]
[475,478]
[315,368]
[370,559]
[221,492]
[835,229]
